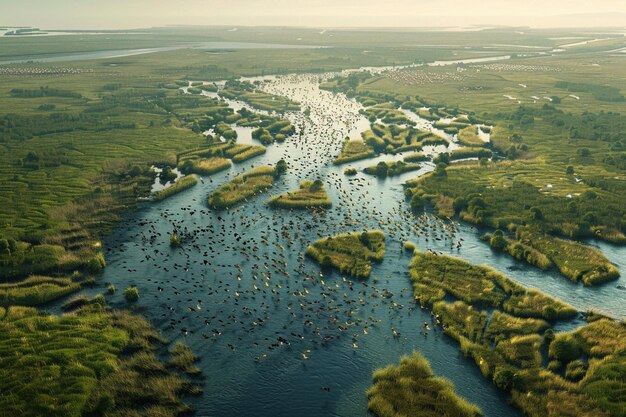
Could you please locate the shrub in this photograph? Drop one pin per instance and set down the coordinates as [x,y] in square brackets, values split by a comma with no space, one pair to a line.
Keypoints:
[503,377]
[131,294]
[565,348]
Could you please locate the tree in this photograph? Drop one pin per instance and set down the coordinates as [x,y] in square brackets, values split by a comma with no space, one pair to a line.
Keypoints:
[569,170]
[417,203]
[4,247]
[497,240]
[365,239]
[459,204]
[281,167]
[511,153]
[444,158]
[440,170]
[382,169]
[131,294]
[317,185]
[549,313]
[535,213]
[565,348]
[135,171]
[503,378]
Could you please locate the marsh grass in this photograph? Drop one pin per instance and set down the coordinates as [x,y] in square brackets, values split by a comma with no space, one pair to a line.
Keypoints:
[411,389]
[389,169]
[310,195]
[354,150]
[416,157]
[480,286]
[468,136]
[243,187]
[574,260]
[91,361]
[204,166]
[180,185]
[350,253]
[182,357]
[508,347]
[36,290]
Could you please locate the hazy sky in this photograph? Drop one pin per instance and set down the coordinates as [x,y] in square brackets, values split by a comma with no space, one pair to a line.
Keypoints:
[100,14]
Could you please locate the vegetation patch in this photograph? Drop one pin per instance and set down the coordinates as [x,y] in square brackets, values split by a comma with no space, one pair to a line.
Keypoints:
[87,363]
[574,260]
[389,169]
[411,389]
[395,138]
[310,195]
[479,286]
[36,290]
[204,166]
[468,136]
[350,253]
[245,186]
[599,92]
[416,157]
[180,185]
[248,93]
[354,150]
[508,346]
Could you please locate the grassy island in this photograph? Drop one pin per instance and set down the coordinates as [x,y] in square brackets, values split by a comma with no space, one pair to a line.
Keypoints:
[354,150]
[244,186]
[310,195]
[411,389]
[225,150]
[435,276]
[350,253]
[393,138]
[180,185]
[204,166]
[416,157]
[574,260]
[389,169]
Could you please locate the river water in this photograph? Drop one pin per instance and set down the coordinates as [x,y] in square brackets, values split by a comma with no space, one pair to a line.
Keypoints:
[240,281]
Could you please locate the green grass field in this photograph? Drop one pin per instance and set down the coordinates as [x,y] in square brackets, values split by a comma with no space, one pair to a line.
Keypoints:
[73,366]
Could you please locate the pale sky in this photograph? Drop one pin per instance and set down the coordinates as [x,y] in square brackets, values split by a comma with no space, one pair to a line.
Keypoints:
[105,14]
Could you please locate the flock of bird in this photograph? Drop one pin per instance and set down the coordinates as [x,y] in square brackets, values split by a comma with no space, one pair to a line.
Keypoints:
[240,277]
